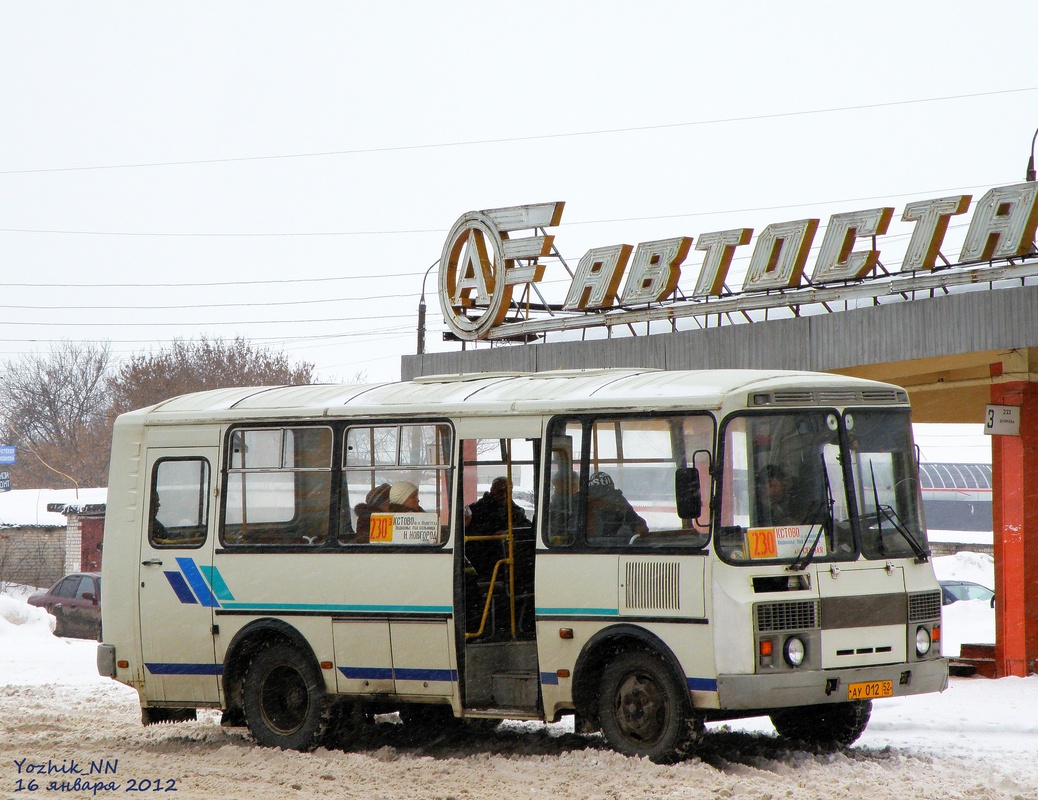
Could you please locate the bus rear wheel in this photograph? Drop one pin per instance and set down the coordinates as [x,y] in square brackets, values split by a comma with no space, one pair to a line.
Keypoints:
[830,725]
[644,710]
[284,700]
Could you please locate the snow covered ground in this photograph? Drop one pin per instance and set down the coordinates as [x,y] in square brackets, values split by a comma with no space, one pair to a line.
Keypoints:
[977,740]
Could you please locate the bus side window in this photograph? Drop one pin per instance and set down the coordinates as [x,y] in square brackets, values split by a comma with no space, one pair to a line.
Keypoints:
[631,482]
[278,486]
[178,508]
[564,496]
[377,458]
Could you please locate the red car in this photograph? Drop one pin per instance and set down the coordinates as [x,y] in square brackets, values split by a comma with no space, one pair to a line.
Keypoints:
[75,602]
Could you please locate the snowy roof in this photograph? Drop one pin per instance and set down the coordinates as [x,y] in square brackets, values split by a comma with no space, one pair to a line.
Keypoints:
[497,393]
[955,476]
[25,507]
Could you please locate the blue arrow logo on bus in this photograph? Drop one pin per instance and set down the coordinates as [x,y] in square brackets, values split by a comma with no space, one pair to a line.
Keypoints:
[198,585]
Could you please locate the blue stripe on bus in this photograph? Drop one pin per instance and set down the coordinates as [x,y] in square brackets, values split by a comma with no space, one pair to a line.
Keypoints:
[212,574]
[702,684]
[197,582]
[176,580]
[580,612]
[184,669]
[368,673]
[425,674]
[389,673]
[549,678]
[336,607]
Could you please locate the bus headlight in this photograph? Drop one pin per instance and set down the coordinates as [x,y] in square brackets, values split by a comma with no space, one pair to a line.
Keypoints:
[794,651]
[922,640]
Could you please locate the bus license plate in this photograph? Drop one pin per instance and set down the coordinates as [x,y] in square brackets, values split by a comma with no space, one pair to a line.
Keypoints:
[869,690]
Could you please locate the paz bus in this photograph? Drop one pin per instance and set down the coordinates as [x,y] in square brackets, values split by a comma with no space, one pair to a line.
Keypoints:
[674,547]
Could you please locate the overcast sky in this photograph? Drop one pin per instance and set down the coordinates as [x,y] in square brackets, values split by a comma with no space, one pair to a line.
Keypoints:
[287,172]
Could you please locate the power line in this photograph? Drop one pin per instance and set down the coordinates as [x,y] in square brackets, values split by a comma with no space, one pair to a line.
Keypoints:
[50,285]
[443,231]
[109,324]
[139,307]
[533,137]
[216,235]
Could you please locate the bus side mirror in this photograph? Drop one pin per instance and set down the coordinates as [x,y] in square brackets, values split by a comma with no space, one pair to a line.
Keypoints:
[687,494]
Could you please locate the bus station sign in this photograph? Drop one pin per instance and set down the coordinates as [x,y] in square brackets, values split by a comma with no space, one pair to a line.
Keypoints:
[483,261]
[1002,420]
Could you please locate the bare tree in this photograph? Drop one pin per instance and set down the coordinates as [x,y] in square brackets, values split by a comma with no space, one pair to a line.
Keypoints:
[196,365]
[54,408]
[58,407]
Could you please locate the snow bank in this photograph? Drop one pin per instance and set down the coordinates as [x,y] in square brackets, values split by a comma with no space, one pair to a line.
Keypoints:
[31,655]
[17,612]
[966,566]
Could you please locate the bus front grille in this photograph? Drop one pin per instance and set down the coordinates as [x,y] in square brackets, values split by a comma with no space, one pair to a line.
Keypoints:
[789,616]
[923,606]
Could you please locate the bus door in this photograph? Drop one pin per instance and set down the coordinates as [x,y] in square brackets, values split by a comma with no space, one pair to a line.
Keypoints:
[179,588]
[498,486]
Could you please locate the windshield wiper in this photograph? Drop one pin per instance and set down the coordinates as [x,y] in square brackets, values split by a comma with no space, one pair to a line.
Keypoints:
[803,558]
[921,555]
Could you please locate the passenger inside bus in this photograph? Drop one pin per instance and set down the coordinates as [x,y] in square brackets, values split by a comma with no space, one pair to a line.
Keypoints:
[374,501]
[489,516]
[610,515]
[157,529]
[774,497]
[403,496]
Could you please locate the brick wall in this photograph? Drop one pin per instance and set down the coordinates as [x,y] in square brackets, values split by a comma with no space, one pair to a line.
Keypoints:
[32,556]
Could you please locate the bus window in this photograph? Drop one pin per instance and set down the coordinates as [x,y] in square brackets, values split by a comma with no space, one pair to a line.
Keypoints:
[886,481]
[395,484]
[784,491]
[564,486]
[278,487]
[179,508]
[615,482]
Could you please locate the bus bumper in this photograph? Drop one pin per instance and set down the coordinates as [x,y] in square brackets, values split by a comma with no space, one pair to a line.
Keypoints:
[815,687]
[106,660]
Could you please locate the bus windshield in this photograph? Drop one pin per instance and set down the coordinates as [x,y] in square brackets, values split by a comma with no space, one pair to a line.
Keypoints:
[784,496]
[886,482]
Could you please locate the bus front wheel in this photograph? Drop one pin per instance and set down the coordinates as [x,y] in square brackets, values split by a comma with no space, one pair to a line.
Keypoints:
[644,710]
[831,725]
[284,700]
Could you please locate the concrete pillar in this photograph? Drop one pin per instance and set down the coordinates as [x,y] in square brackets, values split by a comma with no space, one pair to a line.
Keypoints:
[1014,461]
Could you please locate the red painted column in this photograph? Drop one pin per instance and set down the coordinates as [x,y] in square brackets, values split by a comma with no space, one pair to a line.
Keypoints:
[1014,461]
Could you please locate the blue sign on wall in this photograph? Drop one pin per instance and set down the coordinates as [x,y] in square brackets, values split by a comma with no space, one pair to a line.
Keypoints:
[7,453]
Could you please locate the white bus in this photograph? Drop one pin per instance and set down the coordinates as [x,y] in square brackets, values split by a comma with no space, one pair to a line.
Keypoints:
[680,547]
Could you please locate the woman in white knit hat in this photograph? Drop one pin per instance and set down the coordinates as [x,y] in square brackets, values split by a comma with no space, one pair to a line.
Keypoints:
[403,496]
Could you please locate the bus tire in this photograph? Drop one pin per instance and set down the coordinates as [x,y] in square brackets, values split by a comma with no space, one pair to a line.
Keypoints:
[830,725]
[643,709]
[284,699]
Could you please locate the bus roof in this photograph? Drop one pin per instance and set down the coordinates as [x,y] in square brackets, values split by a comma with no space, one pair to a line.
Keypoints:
[533,393]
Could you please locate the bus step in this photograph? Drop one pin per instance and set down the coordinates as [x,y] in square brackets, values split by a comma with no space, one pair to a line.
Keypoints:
[515,689]
[503,713]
